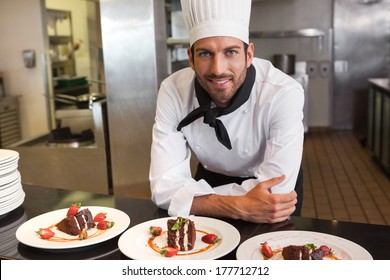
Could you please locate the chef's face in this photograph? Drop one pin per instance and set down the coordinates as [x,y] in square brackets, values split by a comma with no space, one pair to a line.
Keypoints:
[220,65]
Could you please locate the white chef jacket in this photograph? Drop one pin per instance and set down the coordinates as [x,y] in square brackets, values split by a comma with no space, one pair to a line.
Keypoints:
[266,134]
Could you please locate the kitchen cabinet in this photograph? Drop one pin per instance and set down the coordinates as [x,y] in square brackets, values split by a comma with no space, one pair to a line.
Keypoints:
[378,138]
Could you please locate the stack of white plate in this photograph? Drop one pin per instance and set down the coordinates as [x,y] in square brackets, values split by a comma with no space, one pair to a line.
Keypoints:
[11,191]
[8,228]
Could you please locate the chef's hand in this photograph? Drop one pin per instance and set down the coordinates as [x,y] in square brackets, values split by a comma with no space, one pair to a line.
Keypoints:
[260,205]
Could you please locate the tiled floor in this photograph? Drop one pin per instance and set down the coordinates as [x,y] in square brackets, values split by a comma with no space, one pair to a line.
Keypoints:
[342,181]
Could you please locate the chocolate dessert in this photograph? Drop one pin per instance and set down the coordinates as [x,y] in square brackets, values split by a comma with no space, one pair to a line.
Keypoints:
[181,234]
[74,224]
[294,252]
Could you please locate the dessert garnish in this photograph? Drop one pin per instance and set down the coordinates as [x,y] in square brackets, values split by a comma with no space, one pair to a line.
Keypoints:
[73,209]
[103,225]
[210,238]
[169,251]
[45,233]
[83,234]
[266,250]
[180,221]
[155,231]
[99,217]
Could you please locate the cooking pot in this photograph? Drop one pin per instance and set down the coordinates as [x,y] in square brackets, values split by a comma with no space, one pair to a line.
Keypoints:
[285,62]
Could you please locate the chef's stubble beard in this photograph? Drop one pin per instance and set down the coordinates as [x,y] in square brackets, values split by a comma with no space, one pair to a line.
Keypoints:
[221,91]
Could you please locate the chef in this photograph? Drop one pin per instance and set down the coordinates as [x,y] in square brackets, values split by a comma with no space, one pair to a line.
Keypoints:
[239,115]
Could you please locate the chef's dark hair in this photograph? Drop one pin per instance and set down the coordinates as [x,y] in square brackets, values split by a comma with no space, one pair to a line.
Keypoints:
[245,50]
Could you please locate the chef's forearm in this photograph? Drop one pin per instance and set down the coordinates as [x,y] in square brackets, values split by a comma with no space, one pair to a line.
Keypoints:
[216,206]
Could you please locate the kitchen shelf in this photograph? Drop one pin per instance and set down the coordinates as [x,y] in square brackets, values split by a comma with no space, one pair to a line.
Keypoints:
[300,33]
[60,40]
[60,32]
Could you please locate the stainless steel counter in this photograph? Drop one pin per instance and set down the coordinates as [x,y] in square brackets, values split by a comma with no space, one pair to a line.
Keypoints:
[84,168]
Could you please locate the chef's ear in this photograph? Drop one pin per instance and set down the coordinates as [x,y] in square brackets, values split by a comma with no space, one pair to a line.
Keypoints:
[191,58]
[250,54]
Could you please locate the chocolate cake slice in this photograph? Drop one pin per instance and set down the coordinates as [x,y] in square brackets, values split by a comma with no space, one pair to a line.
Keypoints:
[181,234]
[294,252]
[69,225]
[73,225]
[85,219]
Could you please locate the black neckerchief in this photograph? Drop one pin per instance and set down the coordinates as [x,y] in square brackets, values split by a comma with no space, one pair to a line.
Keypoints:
[210,114]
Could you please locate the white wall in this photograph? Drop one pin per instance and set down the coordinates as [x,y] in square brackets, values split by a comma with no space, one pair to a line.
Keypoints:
[20,29]
[286,15]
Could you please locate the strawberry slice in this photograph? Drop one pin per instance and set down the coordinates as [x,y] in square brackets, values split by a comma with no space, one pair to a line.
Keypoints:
[73,209]
[83,234]
[326,251]
[45,233]
[99,217]
[210,238]
[168,251]
[155,231]
[103,225]
[266,250]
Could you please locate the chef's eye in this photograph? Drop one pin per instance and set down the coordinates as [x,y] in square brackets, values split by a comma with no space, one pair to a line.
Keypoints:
[231,52]
[204,53]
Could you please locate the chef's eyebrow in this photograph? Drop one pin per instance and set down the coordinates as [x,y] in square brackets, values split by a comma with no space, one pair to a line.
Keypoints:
[233,47]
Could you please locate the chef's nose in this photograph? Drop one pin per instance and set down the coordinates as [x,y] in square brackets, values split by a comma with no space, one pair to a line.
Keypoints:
[218,65]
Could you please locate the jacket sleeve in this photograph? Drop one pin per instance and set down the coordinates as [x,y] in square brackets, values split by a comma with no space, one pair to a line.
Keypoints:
[171,182]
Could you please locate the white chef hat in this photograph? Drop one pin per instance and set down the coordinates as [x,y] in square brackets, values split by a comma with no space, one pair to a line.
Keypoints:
[207,18]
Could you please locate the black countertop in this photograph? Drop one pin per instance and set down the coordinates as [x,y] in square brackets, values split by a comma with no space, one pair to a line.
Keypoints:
[374,238]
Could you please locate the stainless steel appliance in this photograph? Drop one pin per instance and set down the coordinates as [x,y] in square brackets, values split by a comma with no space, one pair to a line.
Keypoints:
[135,60]
[83,167]
[361,51]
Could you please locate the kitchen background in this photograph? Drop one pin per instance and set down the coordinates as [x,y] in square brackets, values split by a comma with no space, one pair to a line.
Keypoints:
[125,48]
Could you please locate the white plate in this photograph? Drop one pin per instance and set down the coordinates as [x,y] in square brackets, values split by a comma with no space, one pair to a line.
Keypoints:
[8,155]
[26,233]
[342,248]
[134,242]
[5,193]
[13,198]
[15,204]
[10,177]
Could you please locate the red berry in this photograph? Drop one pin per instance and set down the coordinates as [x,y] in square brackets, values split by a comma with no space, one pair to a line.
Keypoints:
[156,231]
[45,233]
[266,250]
[99,217]
[169,251]
[83,234]
[210,238]
[325,250]
[73,209]
[103,225]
